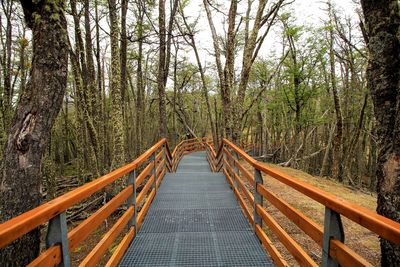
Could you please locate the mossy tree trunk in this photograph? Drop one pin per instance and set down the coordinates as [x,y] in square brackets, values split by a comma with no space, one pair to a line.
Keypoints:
[116,111]
[382,21]
[36,112]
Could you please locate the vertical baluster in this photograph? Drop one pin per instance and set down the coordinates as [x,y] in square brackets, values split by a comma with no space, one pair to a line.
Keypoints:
[132,199]
[57,233]
[154,159]
[236,173]
[258,199]
[333,229]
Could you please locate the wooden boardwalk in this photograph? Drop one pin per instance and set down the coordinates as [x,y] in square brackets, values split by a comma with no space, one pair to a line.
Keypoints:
[195,220]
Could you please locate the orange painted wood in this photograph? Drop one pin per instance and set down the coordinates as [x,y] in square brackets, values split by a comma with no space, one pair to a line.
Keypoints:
[298,253]
[145,189]
[98,251]
[122,247]
[159,155]
[83,230]
[346,256]
[245,173]
[228,177]
[146,171]
[244,206]
[228,167]
[159,179]
[239,151]
[244,189]
[160,167]
[378,224]
[22,224]
[270,248]
[50,258]
[145,208]
[309,227]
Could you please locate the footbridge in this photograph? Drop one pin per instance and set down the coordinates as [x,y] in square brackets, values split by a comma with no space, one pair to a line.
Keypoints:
[196,206]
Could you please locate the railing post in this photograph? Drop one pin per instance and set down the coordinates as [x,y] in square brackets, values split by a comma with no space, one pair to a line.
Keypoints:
[132,199]
[258,199]
[333,229]
[235,169]
[154,159]
[164,147]
[57,234]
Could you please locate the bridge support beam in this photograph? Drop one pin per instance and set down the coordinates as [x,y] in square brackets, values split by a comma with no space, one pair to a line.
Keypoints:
[57,234]
[132,199]
[258,199]
[333,229]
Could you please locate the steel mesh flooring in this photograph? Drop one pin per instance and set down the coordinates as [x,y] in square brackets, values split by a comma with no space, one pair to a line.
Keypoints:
[195,220]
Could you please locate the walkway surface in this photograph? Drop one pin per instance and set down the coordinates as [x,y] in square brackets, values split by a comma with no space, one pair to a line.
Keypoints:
[195,220]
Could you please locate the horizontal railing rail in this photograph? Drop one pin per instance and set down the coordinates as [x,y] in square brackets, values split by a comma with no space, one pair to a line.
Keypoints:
[154,163]
[329,237]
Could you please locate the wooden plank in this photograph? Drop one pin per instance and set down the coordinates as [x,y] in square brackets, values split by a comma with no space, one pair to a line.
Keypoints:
[145,208]
[83,230]
[159,155]
[270,248]
[384,227]
[346,256]
[241,153]
[24,223]
[309,227]
[50,258]
[142,176]
[228,177]
[298,253]
[246,191]
[159,179]
[245,173]
[228,167]
[246,210]
[122,247]
[145,189]
[98,251]
[160,167]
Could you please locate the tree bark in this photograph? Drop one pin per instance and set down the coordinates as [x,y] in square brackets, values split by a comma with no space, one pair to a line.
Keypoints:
[161,70]
[118,151]
[382,21]
[20,187]
[337,150]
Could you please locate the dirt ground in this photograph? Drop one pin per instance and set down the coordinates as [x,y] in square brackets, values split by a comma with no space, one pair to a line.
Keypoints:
[358,238]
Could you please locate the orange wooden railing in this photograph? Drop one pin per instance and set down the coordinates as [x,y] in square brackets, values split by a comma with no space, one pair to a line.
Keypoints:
[155,162]
[330,236]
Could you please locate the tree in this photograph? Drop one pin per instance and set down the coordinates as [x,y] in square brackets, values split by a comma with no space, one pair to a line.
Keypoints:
[382,22]
[36,112]
[116,113]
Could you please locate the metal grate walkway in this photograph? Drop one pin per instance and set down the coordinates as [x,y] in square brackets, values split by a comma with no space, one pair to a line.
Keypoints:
[195,220]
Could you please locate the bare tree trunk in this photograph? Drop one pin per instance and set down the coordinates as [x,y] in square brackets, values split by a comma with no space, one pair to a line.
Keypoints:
[192,43]
[28,137]
[337,172]
[139,83]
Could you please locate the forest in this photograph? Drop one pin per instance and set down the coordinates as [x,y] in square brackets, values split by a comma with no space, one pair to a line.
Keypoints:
[87,86]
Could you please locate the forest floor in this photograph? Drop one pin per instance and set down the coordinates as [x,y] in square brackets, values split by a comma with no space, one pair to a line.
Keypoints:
[361,240]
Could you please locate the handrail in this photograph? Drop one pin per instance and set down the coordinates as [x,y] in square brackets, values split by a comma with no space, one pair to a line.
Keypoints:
[379,224]
[334,207]
[159,159]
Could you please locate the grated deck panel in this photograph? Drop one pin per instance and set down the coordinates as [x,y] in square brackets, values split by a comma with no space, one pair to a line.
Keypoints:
[195,220]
